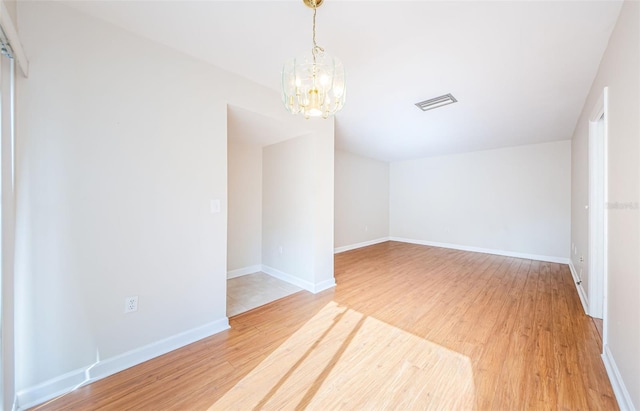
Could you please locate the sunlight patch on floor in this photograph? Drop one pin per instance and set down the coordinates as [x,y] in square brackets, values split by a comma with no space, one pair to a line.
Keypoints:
[342,359]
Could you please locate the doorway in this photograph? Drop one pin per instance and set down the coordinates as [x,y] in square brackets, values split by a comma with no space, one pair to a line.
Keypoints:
[248,285]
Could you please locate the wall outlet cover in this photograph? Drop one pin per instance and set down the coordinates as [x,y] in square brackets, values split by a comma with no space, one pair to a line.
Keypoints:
[131,304]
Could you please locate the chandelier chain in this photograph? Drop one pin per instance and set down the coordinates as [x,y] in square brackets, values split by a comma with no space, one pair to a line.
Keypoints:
[316,49]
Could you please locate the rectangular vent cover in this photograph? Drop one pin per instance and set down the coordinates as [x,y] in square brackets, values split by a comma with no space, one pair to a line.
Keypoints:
[436,102]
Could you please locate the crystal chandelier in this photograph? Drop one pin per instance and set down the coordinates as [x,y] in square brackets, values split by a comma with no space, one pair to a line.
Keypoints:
[313,84]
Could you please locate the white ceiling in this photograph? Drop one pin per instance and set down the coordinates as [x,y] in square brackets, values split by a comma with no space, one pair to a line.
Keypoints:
[520,70]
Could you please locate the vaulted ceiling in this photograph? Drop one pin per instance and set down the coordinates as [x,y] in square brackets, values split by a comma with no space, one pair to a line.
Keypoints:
[520,70]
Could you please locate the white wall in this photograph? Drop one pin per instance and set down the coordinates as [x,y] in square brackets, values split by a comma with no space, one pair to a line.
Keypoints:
[12,9]
[297,208]
[121,146]
[244,230]
[513,200]
[619,71]
[361,200]
[122,143]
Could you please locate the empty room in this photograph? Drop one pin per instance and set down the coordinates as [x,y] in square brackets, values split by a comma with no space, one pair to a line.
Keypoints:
[320,204]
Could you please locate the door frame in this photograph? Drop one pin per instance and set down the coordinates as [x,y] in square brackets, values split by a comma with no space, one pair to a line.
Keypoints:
[598,196]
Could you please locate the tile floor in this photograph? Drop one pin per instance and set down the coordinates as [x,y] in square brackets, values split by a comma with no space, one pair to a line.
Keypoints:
[250,291]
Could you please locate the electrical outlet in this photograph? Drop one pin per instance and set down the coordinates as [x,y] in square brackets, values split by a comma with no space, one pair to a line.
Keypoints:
[582,259]
[131,304]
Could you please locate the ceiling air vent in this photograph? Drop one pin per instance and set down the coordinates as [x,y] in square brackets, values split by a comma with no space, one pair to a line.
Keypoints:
[436,102]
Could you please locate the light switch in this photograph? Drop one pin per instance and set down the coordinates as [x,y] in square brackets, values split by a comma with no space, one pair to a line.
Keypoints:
[215,206]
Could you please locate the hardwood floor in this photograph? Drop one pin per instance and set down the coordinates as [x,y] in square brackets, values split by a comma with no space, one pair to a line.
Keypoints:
[407,327]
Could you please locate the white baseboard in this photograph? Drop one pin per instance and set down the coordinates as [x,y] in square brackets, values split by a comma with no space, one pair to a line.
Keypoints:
[342,249]
[619,389]
[244,271]
[129,359]
[50,389]
[68,382]
[546,258]
[581,293]
[306,285]
[273,272]
[324,285]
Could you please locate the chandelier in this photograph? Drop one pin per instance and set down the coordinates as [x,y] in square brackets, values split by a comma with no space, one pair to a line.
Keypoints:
[313,84]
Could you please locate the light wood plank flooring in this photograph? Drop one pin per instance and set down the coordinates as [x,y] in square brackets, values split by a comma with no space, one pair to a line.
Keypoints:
[407,327]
